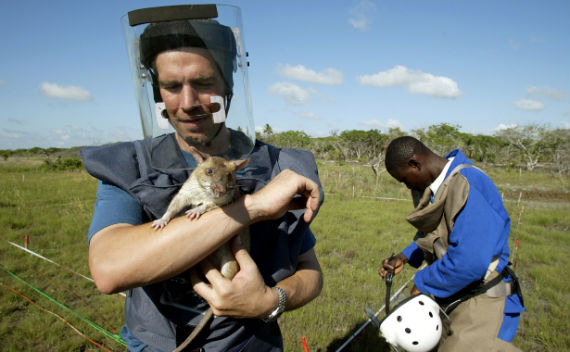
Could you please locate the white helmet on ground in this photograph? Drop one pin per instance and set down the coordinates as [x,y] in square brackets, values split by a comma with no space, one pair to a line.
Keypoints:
[415,325]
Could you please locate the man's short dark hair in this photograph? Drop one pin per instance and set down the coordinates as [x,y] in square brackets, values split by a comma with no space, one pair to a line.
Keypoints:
[400,150]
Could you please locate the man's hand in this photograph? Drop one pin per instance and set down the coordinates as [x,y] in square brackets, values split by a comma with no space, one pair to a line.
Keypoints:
[414,291]
[287,191]
[245,296]
[395,263]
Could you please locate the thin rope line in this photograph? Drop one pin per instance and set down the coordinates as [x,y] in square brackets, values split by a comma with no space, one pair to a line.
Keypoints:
[51,261]
[59,265]
[115,337]
[105,323]
[57,316]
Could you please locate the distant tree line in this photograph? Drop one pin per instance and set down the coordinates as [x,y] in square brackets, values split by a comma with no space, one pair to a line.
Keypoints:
[520,146]
[44,152]
[56,159]
[529,146]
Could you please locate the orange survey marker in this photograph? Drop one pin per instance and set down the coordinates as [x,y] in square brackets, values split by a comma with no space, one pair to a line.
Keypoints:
[304,342]
[516,254]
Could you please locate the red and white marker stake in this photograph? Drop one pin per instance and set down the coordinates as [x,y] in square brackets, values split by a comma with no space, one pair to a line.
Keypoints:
[515,255]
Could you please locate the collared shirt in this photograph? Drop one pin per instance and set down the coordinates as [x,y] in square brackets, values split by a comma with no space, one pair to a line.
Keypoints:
[439,180]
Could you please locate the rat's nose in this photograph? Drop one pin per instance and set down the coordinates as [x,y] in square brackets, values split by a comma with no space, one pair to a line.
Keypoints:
[219,189]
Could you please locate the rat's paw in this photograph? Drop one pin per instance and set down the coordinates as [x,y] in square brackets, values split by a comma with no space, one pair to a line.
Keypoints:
[194,213]
[159,224]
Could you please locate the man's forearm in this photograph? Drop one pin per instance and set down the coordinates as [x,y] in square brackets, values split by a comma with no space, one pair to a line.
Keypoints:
[306,284]
[124,256]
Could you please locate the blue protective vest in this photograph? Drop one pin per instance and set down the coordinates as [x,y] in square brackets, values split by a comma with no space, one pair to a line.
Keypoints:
[155,313]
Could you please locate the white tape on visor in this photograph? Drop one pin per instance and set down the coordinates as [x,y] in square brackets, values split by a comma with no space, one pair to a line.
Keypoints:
[220,115]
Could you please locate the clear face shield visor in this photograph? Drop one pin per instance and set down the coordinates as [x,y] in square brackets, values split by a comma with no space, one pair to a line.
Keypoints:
[189,68]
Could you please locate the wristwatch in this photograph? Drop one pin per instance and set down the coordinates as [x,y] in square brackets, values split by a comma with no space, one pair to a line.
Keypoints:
[280,306]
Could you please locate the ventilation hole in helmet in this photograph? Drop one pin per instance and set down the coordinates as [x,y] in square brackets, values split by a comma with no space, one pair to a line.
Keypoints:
[421,303]
[437,328]
[399,318]
[415,343]
[408,330]
[430,314]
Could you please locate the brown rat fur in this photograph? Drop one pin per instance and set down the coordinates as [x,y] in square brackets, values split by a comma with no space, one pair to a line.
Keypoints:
[212,184]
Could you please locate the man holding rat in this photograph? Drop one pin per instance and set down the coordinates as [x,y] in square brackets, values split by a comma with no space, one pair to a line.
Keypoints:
[463,231]
[190,77]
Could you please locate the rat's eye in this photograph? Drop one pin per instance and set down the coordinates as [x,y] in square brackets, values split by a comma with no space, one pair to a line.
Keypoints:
[210,172]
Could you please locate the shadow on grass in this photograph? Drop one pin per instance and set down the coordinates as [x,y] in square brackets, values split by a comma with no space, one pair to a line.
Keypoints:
[369,339]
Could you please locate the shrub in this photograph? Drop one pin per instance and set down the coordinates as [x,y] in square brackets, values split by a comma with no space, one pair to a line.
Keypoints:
[62,164]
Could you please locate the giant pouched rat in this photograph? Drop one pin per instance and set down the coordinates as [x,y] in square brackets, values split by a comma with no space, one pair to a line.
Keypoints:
[210,185]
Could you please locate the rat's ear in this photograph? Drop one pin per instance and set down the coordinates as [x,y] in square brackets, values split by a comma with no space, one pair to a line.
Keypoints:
[240,163]
[198,155]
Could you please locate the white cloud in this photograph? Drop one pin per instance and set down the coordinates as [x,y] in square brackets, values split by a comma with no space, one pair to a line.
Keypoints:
[329,76]
[391,123]
[415,81]
[537,40]
[293,94]
[319,133]
[514,45]
[372,123]
[53,90]
[62,135]
[360,15]
[6,134]
[546,92]
[394,124]
[361,23]
[503,126]
[529,105]
[309,115]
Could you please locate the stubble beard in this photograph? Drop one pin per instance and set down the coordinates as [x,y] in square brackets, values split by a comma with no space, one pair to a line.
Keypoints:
[209,143]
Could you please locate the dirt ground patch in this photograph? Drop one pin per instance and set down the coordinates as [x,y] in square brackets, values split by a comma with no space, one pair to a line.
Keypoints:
[537,194]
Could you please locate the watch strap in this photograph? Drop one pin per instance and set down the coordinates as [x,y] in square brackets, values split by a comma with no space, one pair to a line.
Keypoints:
[276,313]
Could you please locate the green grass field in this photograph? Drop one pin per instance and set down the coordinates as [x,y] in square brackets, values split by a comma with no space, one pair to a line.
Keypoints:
[361,222]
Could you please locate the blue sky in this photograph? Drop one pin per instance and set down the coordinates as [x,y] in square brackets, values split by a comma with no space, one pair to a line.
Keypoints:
[316,66]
